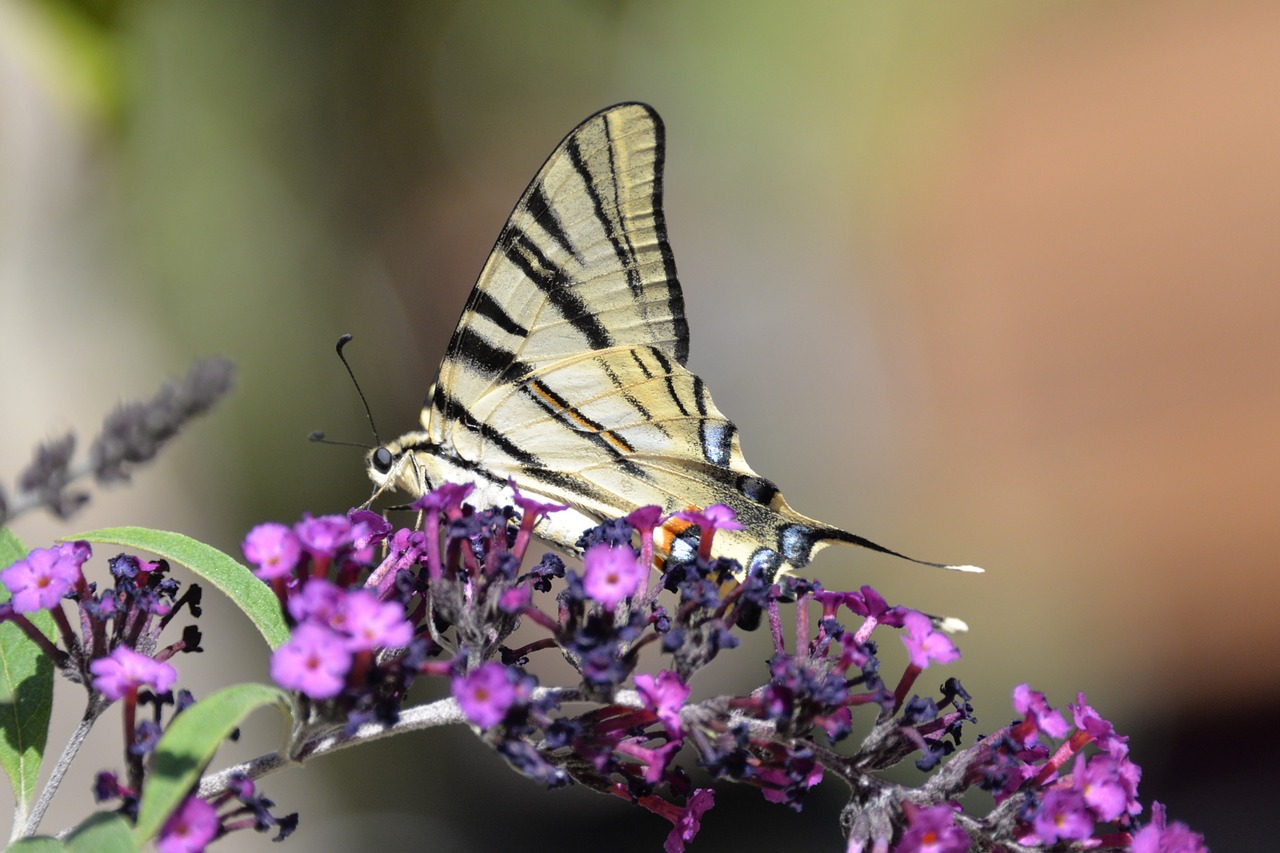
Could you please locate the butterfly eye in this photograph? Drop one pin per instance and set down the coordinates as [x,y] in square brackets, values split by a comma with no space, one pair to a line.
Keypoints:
[382,460]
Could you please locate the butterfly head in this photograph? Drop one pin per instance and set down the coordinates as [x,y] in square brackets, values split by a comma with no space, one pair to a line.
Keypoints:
[399,465]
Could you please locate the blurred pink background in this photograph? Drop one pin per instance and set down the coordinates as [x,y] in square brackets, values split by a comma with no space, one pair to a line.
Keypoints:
[989,283]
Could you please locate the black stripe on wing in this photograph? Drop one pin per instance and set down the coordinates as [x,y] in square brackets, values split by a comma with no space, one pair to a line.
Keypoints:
[585,428]
[459,414]
[675,297]
[486,306]
[538,206]
[520,249]
[669,376]
[491,359]
[614,228]
[641,408]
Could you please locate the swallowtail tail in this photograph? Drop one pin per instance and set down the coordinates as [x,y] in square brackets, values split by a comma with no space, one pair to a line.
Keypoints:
[566,374]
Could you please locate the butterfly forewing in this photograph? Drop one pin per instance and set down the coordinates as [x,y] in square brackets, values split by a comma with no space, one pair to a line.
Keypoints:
[582,264]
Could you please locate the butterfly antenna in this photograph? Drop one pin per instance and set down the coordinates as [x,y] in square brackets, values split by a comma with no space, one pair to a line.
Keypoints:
[342,342]
[319,438]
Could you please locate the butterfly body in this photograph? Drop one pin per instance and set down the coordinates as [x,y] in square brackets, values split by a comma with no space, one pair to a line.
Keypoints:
[566,373]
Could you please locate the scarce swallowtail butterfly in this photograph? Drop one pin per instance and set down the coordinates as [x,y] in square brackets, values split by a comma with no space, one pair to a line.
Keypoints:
[566,374]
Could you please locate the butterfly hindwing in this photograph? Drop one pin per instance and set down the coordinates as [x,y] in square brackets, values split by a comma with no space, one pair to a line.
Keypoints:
[642,429]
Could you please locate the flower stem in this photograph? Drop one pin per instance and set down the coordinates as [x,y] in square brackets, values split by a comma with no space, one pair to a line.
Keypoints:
[97,704]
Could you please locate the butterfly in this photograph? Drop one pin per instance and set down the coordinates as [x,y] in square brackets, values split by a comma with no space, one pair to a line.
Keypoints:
[566,374]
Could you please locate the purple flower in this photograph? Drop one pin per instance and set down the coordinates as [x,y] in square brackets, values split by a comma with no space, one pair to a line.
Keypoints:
[609,574]
[1034,705]
[325,536]
[515,599]
[1100,731]
[785,781]
[931,830]
[313,661]
[652,760]
[189,829]
[714,517]
[485,694]
[1063,816]
[689,820]
[126,670]
[645,518]
[371,623]
[273,548]
[1158,837]
[318,601]
[924,643]
[43,577]
[1108,785]
[446,498]
[664,696]
[531,508]
[368,528]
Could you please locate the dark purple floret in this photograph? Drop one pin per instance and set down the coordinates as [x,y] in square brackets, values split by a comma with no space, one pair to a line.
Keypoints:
[562,733]
[465,528]
[528,761]
[699,591]
[673,640]
[573,593]
[124,567]
[184,700]
[934,752]
[191,637]
[919,709]
[541,575]
[286,825]
[791,587]
[106,786]
[720,638]
[615,532]
[145,738]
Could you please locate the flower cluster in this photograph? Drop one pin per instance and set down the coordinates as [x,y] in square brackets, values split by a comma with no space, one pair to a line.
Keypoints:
[370,608]
[197,821]
[350,645]
[1051,795]
[116,654]
[117,650]
[444,599]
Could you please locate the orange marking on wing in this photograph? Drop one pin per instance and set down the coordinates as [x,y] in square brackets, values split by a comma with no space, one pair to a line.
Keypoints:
[582,421]
[670,529]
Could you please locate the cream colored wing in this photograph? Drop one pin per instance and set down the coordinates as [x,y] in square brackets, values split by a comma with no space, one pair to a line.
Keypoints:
[582,264]
[566,372]
[612,429]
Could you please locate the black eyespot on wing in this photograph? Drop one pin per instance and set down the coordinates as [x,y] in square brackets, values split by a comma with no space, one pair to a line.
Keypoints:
[756,489]
[717,441]
[765,560]
[796,542]
[382,460]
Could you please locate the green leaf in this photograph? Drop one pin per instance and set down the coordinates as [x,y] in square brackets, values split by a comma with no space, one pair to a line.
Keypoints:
[26,694]
[248,593]
[103,832]
[100,832]
[37,844]
[189,744]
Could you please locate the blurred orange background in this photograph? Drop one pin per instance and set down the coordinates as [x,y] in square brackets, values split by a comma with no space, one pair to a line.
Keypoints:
[989,282]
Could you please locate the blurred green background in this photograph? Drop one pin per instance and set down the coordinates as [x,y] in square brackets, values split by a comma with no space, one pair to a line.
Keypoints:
[991,282]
